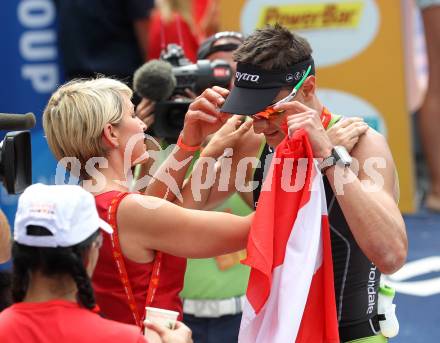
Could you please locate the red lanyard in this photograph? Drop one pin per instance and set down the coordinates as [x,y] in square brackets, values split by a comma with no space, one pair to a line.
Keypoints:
[119,261]
[163,40]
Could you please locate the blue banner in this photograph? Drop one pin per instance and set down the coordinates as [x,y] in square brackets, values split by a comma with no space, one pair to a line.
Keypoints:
[30,73]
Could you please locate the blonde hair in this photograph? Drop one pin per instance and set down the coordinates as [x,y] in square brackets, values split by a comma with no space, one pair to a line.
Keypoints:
[76,115]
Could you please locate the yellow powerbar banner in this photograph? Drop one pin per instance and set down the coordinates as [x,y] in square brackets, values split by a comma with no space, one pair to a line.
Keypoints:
[312,16]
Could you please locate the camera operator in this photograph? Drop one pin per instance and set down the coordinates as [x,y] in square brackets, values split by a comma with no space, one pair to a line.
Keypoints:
[172,83]
[155,83]
[167,87]
[15,166]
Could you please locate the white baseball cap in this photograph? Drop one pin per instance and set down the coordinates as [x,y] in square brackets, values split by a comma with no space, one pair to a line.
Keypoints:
[67,211]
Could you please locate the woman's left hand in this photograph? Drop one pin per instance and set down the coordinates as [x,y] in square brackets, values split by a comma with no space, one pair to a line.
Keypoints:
[347,132]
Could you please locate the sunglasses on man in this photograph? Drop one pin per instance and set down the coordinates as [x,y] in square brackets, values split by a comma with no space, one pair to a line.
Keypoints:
[270,112]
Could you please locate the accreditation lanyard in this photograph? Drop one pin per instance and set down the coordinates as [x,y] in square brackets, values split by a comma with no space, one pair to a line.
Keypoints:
[120,264]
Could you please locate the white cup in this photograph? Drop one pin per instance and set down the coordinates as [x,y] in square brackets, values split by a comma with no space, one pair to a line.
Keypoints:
[161,317]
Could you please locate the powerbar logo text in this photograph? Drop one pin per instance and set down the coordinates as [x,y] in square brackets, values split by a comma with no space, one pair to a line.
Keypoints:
[312,16]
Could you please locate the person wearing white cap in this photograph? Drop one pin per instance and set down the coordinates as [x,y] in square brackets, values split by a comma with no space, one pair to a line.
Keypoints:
[56,246]
[143,262]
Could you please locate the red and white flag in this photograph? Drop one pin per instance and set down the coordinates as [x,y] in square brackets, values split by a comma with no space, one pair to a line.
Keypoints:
[290,296]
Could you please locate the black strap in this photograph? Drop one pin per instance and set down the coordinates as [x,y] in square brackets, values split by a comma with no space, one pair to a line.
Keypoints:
[381,317]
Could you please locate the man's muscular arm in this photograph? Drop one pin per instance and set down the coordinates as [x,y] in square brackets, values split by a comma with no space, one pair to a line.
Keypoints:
[369,202]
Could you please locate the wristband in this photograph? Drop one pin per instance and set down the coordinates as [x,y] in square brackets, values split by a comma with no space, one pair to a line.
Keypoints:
[185,147]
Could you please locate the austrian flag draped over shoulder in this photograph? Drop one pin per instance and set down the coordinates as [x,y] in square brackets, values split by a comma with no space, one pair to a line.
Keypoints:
[290,296]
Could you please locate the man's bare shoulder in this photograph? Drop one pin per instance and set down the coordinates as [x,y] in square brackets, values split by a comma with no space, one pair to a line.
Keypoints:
[375,161]
[371,144]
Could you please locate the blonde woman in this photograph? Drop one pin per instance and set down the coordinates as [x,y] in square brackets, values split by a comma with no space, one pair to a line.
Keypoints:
[136,268]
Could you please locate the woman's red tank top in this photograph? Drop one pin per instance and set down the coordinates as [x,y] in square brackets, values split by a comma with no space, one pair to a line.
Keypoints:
[109,292]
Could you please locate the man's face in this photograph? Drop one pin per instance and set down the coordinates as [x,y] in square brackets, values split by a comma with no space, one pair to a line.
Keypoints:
[271,128]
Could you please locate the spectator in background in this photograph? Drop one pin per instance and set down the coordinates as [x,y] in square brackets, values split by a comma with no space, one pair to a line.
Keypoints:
[172,22]
[430,111]
[5,237]
[207,17]
[106,37]
[221,45]
[57,242]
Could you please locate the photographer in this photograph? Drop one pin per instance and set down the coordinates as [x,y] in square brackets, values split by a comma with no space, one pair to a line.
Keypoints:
[167,88]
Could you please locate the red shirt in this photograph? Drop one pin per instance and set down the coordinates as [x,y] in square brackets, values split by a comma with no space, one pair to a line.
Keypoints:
[199,8]
[109,292]
[61,321]
[176,31]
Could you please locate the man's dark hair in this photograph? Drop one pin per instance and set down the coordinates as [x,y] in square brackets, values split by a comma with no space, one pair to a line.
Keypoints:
[52,262]
[273,48]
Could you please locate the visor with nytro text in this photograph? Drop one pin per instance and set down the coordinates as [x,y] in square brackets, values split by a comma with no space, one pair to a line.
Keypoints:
[256,88]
